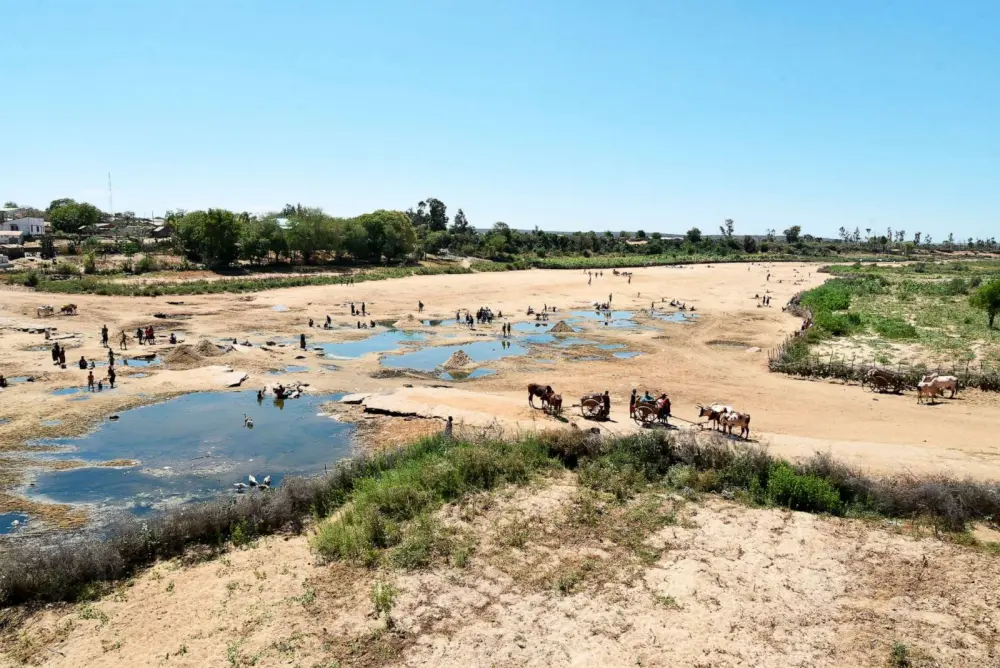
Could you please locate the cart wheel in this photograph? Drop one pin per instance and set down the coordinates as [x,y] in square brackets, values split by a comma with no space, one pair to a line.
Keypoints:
[644,415]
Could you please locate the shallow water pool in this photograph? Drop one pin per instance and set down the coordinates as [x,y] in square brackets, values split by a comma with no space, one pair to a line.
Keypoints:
[194,447]
[428,359]
[627,355]
[461,375]
[7,522]
[383,342]
[678,316]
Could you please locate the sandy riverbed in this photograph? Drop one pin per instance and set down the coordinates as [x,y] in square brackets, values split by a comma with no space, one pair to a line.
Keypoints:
[704,361]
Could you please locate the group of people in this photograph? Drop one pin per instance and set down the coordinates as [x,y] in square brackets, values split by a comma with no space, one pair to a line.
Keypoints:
[357,311]
[366,325]
[591,274]
[763,301]
[145,335]
[505,329]
[662,403]
[484,316]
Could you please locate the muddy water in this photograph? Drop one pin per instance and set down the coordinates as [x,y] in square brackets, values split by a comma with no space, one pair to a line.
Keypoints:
[193,448]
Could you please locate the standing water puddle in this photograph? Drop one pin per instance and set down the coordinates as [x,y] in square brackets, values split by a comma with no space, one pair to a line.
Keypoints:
[194,447]
[7,522]
[379,343]
[294,368]
[462,375]
[678,316]
[429,359]
[279,307]
[66,390]
[618,319]
[626,355]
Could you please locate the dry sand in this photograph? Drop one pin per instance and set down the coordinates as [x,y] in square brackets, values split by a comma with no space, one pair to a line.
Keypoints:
[723,586]
[731,586]
[705,361]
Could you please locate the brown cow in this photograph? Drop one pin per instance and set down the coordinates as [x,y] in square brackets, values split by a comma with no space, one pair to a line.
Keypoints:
[540,391]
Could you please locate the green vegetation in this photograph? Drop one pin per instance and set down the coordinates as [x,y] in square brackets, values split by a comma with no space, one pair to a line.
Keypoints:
[386,504]
[107,286]
[934,308]
[987,298]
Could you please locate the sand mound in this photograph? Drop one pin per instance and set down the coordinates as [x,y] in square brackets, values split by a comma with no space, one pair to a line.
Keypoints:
[183,355]
[206,348]
[458,359]
[562,328]
[408,321]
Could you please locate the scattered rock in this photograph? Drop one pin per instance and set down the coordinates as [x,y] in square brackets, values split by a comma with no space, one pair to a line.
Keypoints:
[356,398]
[753,349]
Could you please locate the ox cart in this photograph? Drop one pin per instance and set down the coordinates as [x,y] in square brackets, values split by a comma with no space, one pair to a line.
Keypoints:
[647,413]
[592,406]
[883,380]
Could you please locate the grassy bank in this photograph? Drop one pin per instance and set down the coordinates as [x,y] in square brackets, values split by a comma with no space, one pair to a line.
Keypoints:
[379,509]
[154,288]
[913,318]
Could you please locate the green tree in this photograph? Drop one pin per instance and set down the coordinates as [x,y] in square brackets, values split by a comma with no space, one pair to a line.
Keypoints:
[309,231]
[437,215]
[693,236]
[727,228]
[209,236]
[71,217]
[259,238]
[749,244]
[56,203]
[386,233]
[987,298]
[48,249]
[460,225]
[10,204]
[793,233]
[641,234]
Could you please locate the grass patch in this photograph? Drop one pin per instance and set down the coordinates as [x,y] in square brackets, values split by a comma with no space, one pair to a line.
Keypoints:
[380,508]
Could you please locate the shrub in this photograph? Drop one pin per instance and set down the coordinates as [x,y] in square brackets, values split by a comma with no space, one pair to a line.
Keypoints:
[146,264]
[31,279]
[894,329]
[89,263]
[799,491]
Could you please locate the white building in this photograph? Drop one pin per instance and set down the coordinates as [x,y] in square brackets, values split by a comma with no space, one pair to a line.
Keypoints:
[29,226]
[11,237]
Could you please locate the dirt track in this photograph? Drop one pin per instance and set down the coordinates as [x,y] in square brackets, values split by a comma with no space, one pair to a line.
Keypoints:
[797,417]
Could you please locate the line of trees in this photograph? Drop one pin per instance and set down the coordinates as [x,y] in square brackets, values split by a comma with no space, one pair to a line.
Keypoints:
[218,237]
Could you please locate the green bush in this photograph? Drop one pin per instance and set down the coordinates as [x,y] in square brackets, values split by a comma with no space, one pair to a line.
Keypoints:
[89,263]
[894,329]
[146,264]
[838,324]
[31,279]
[797,491]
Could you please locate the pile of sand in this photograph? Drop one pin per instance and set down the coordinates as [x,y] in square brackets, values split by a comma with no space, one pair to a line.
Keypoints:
[408,321]
[458,359]
[206,348]
[562,328]
[183,356]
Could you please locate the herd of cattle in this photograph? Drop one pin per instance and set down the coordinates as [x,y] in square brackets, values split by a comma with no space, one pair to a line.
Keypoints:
[934,385]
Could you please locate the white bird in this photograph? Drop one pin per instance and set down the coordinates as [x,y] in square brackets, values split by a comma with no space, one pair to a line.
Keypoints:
[267,480]
[247,421]
[253,481]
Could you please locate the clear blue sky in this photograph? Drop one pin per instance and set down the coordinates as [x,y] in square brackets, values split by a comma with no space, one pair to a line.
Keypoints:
[658,115]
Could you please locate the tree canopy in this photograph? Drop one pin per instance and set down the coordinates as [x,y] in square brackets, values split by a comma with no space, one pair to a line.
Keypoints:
[71,217]
[987,298]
